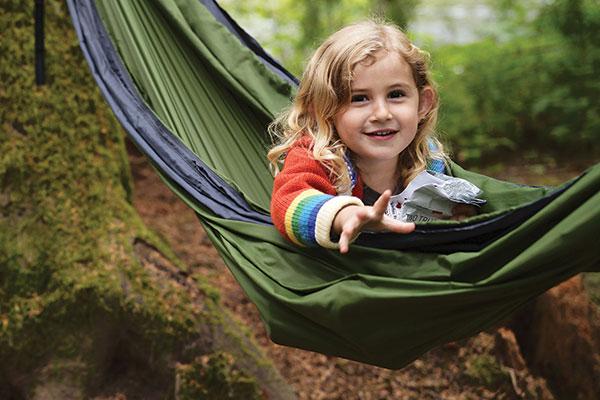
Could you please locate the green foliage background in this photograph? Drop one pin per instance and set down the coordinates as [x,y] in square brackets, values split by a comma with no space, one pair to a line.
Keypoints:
[532,93]
[292,29]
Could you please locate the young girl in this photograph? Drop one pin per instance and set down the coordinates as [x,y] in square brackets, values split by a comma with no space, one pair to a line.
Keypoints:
[361,124]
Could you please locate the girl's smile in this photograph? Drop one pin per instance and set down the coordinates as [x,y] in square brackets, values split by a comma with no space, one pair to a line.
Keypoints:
[382,134]
[383,114]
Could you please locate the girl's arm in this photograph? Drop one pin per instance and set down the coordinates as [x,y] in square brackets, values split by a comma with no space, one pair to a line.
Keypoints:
[304,202]
[306,209]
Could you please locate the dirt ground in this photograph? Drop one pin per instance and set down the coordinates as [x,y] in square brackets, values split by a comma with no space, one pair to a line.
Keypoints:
[487,366]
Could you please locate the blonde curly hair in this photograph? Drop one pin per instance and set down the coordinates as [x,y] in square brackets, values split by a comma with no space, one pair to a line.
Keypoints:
[325,88]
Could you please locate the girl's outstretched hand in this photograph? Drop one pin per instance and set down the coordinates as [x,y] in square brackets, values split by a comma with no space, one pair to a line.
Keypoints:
[352,220]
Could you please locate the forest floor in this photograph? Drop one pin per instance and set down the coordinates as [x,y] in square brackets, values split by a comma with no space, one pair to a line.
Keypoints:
[487,366]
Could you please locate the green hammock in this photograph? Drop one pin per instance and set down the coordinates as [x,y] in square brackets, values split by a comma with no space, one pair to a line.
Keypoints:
[196,94]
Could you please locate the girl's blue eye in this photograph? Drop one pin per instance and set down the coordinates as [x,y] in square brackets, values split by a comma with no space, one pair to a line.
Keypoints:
[358,98]
[394,94]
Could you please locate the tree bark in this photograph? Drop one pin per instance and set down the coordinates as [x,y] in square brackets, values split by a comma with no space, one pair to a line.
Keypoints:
[92,303]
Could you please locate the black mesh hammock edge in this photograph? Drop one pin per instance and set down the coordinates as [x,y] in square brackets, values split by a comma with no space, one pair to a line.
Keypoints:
[152,137]
[440,283]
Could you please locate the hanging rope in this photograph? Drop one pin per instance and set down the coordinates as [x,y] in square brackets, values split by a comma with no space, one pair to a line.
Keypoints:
[40,75]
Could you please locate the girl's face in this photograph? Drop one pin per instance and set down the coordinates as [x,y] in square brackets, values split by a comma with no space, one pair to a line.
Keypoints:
[385,108]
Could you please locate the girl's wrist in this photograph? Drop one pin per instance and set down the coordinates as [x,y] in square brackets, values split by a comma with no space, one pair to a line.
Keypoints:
[325,220]
[343,215]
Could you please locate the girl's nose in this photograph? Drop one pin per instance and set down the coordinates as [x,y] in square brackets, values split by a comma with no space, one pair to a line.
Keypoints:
[381,110]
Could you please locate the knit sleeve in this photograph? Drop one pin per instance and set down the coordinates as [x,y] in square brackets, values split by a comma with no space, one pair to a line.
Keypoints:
[304,202]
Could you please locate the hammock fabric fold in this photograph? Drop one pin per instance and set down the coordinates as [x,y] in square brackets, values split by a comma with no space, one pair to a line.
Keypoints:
[195,93]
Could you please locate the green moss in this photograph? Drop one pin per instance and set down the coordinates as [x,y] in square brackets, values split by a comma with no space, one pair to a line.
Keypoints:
[591,282]
[71,284]
[484,369]
[66,215]
[214,377]
[206,288]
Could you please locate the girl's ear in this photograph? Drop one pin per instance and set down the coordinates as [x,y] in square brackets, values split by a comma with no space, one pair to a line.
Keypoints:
[426,99]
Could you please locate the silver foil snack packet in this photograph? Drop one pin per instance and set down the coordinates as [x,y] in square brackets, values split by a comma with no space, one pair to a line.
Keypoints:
[431,196]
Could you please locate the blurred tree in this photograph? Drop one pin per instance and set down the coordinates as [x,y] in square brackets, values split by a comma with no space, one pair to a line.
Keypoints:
[514,17]
[400,12]
[576,20]
[531,88]
[292,29]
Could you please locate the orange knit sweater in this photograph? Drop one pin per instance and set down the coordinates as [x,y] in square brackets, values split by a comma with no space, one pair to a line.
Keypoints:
[304,202]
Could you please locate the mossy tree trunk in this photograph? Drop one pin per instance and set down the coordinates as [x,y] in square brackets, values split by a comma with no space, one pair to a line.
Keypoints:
[93,304]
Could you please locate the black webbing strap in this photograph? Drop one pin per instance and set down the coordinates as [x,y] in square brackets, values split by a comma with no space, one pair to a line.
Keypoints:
[40,75]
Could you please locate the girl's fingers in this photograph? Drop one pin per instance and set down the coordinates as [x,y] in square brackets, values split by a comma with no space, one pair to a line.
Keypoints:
[347,234]
[382,202]
[375,218]
[343,244]
[398,227]
[345,241]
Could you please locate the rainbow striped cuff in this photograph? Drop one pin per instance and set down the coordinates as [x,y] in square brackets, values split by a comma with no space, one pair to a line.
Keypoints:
[309,217]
